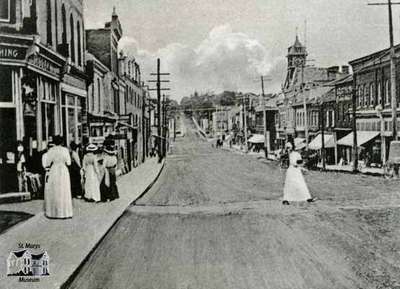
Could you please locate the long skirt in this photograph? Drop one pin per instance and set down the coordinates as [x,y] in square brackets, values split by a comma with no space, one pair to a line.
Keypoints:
[295,188]
[92,185]
[76,186]
[57,195]
[108,186]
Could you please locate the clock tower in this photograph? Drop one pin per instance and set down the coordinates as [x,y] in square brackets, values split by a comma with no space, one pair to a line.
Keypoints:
[297,55]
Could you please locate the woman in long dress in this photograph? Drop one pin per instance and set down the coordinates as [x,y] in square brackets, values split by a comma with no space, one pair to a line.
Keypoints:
[108,186]
[295,189]
[58,199]
[75,171]
[91,172]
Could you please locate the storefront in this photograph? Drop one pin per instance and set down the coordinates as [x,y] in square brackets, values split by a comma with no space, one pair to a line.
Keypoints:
[29,102]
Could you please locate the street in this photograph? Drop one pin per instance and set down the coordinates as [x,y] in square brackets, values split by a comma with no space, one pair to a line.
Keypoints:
[214,219]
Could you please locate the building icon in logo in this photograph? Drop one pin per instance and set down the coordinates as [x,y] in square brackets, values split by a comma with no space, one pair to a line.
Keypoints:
[24,263]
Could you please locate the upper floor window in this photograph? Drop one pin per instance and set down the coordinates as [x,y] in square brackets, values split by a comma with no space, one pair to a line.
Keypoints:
[78,30]
[387,92]
[64,24]
[5,11]
[379,91]
[372,94]
[366,96]
[72,43]
[98,95]
[49,24]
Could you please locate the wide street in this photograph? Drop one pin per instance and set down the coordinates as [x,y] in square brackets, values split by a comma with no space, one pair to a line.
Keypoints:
[214,219]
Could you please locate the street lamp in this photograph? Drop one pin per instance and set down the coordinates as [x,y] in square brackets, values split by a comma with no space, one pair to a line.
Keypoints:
[379,110]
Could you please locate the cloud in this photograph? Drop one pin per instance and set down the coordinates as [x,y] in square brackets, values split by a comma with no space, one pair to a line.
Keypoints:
[224,60]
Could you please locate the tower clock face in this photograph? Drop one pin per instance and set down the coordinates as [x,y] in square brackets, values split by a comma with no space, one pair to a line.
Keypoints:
[298,61]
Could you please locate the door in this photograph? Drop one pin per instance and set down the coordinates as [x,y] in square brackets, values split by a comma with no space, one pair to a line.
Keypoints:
[8,145]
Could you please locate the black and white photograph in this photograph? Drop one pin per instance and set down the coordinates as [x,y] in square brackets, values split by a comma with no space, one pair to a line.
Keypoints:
[199,144]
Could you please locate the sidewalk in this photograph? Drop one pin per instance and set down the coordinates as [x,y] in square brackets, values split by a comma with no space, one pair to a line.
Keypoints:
[349,168]
[69,242]
[333,168]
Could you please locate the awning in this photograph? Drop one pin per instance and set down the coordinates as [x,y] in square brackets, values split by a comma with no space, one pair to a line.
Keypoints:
[316,143]
[120,123]
[362,138]
[257,138]
[299,143]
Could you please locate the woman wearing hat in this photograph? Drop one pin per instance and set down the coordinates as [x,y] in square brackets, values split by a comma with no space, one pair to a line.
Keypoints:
[295,189]
[57,195]
[108,186]
[91,173]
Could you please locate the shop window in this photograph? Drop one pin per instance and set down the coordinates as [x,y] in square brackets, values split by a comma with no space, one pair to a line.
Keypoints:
[5,84]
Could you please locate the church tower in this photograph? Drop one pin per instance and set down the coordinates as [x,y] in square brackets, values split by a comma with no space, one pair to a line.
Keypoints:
[297,55]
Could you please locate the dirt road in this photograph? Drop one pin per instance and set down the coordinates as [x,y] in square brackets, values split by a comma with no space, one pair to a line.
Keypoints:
[215,220]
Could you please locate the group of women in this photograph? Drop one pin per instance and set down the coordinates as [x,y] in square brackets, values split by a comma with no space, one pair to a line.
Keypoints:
[66,176]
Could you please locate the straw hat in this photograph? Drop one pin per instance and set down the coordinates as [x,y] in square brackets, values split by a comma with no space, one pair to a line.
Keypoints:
[91,148]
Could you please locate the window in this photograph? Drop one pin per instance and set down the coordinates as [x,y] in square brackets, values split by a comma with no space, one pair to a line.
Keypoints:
[64,24]
[379,98]
[366,96]
[5,84]
[98,95]
[371,94]
[387,92]
[78,29]
[359,96]
[5,11]
[71,23]
[49,24]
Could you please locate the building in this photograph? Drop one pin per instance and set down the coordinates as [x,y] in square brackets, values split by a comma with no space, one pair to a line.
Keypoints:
[371,80]
[303,88]
[43,89]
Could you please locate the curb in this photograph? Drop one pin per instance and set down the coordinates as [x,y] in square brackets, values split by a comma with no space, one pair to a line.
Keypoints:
[71,278]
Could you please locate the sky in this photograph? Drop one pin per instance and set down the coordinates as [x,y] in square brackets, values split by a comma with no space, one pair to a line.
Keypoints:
[216,45]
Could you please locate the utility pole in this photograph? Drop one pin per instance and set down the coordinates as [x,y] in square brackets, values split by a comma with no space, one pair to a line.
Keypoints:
[354,124]
[159,121]
[392,66]
[245,124]
[322,122]
[266,136]
[305,106]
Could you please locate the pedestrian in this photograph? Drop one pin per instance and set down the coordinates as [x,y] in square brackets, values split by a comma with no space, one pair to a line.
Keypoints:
[58,198]
[295,188]
[75,171]
[21,168]
[108,186]
[91,174]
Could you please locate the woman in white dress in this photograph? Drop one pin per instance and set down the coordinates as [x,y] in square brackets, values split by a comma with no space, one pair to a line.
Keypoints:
[295,189]
[91,173]
[58,198]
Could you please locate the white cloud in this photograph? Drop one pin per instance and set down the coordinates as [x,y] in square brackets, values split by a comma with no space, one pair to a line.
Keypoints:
[224,60]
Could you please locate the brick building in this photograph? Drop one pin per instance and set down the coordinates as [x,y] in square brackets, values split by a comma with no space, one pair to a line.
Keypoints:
[43,89]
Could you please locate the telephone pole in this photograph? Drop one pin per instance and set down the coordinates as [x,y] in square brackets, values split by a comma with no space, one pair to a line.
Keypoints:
[158,88]
[392,66]
[266,136]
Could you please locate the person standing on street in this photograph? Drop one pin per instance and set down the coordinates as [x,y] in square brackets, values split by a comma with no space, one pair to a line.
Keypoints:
[75,171]
[58,198]
[91,173]
[295,188]
[108,186]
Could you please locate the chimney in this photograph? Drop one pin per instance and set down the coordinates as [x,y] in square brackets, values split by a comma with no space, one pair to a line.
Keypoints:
[345,69]
[332,72]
